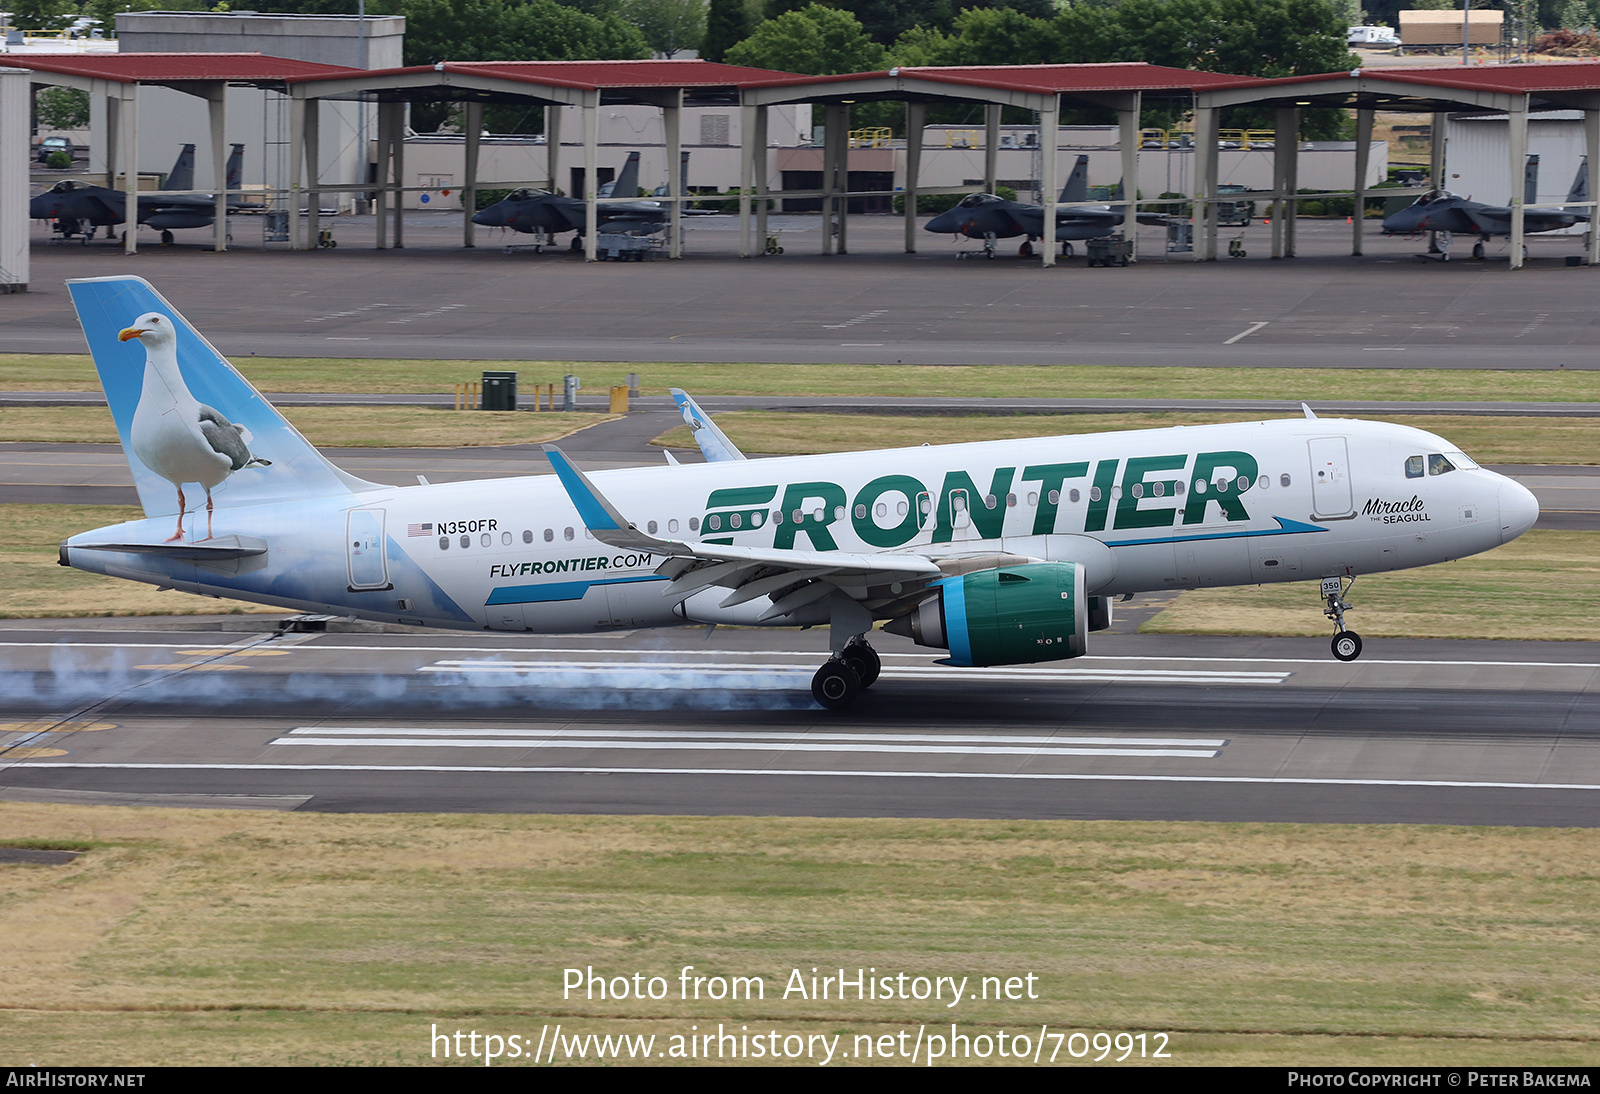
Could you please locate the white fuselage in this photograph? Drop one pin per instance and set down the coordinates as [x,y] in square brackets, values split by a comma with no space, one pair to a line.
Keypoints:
[1178,508]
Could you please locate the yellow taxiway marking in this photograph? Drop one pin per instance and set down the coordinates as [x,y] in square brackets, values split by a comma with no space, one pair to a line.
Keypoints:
[54,727]
[188,668]
[228,652]
[33,753]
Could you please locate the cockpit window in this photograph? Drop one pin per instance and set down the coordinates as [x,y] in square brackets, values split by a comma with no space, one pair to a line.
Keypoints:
[1413,467]
[1462,461]
[526,193]
[1438,465]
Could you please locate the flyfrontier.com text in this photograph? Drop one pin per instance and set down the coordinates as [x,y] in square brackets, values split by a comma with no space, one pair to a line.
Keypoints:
[926,1045]
[854,984]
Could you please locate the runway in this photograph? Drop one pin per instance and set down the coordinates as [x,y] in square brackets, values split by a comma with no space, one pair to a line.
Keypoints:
[675,722]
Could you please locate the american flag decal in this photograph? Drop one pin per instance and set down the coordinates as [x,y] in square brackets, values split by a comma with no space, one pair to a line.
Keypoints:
[414,530]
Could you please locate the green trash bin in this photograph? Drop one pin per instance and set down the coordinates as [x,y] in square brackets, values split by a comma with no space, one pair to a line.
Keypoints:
[499,391]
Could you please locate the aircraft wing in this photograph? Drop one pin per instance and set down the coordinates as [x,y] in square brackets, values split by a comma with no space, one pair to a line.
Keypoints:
[714,444]
[792,579]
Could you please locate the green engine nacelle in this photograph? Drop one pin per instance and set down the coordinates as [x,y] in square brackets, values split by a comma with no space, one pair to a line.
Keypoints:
[1007,616]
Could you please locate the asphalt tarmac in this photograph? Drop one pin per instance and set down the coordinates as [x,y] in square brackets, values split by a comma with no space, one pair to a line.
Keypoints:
[877,304]
[674,721]
[228,712]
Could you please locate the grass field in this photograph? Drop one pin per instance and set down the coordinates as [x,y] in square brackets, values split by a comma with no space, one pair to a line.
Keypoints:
[241,937]
[33,586]
[1486,439]
[326,426]
[75,372]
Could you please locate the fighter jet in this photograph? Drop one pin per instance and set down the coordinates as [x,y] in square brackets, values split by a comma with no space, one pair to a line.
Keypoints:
[1448,214]
[530,210]
[79,209]
[989,217]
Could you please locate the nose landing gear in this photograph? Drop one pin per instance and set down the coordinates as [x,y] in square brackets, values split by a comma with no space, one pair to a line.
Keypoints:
[1346,644]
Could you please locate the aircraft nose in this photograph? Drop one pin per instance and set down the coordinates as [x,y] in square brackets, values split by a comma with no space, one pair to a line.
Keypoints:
[492,217]
[1518,510]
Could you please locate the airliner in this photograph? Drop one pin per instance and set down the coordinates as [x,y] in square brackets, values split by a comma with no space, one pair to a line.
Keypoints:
[998,552]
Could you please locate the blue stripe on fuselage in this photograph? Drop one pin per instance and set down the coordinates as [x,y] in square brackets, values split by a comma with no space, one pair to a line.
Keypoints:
[1286,527]
[556,590]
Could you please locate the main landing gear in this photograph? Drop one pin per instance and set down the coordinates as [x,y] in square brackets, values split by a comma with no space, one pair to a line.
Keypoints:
[846,675]
[1346,644]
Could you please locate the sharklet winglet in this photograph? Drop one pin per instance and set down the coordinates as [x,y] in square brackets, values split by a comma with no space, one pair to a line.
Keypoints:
[599,516]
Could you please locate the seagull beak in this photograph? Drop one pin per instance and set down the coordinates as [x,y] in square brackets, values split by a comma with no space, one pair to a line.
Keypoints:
[130,332]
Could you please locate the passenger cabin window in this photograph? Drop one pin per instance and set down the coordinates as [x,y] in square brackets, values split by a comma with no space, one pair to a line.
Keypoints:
[1413,467]
[1438,465]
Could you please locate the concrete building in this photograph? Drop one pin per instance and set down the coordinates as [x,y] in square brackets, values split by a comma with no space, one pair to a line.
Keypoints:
[257,118]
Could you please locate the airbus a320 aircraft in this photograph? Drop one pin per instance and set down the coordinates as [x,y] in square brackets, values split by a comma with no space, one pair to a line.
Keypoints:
[1001,552]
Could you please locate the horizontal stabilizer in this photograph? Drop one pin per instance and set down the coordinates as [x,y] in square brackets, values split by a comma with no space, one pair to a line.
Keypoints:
[224,547]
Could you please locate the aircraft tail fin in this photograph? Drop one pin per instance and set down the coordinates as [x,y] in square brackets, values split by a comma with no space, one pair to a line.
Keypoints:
[1580,187]
[182,410]
[627,183]
[235,172]
[714,444]
[181,177]
[1077,187]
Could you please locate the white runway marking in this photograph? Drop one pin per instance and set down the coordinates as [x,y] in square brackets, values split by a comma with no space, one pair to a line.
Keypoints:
[1011,674]
[1247,332]
[733,741]
[444,769]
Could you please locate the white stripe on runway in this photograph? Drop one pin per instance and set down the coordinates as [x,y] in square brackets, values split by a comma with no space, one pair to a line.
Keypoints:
[1008,673]
[711,734]
[741,746]
[444,769]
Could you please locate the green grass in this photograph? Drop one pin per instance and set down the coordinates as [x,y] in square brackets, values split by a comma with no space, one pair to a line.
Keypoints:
[1541,586]
[240,937]
[326,426]
[75,372]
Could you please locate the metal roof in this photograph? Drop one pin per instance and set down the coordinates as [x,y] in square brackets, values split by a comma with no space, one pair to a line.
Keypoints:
[621,74]
[166,68]
[1113,76]
[1433,87]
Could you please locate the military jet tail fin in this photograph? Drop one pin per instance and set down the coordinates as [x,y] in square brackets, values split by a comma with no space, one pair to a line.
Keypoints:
[1580,187]
[199,408]
[235,173]
[181,177]
[1077,187]
[627,183]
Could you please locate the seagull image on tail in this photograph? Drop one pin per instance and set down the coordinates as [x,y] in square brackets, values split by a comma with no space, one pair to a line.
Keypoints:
[177,436]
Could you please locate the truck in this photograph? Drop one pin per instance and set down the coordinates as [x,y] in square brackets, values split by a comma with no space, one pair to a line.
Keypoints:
[1372,36]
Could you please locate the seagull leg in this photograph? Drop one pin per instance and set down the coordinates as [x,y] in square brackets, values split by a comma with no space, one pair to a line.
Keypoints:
[208,513]
[179,533]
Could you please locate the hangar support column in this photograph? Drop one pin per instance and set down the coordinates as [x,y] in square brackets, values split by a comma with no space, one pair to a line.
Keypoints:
[216,96]
[991,147]
[591,187]
[16,100]
[472,122]
[397,142]
[1050,138]
[1291,182]
[1517,117]
[1591,142]
[297,143]
[761,162]
[381,178]
[916,120]
[313,169]
[1128,138]
[672,123]
[747,159]
[1205,180]
[552,146]
[1363,157]
[128,111]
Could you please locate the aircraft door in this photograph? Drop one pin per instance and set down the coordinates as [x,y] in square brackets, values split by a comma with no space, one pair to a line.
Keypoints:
[1330,478]
[364,539]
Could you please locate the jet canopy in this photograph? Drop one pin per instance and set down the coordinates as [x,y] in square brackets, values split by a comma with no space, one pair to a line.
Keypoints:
[972,201]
